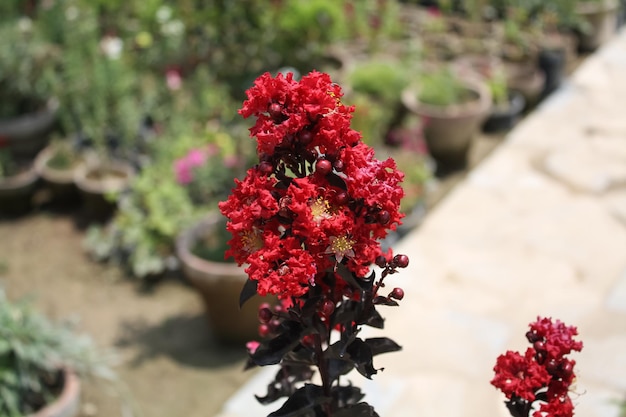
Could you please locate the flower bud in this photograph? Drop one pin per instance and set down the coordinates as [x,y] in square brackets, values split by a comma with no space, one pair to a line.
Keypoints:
[266,168]
[539,346]
[381,261]
[384,217]
[342,198]
[305,137]
[566,369]
[401,261]
[532,337]
[264,330]
[275,111]
[265,315]
[323,166]
[327,308]
[397,293]
[308,341]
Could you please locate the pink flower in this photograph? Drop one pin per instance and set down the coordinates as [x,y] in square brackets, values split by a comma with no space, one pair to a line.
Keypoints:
[183,167]
[173,79]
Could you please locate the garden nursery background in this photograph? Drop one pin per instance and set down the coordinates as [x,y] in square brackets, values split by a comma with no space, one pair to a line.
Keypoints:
[120,133]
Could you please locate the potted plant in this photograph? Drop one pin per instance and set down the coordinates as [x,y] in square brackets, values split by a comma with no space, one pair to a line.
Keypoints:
[42,363]
[28,108]
[307,220]
[375,89]
[56,165]
[507,106]
[140,236]
[599,23]
[451,111]
[18,181]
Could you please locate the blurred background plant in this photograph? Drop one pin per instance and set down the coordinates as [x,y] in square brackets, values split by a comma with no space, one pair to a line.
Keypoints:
[34,352]
[27,67]
[192,174]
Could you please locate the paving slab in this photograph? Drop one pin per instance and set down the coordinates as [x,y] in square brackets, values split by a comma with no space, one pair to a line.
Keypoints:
[538,228]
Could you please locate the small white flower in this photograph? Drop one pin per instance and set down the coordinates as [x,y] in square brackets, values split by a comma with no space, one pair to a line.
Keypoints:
[24,24]
[71,13]
[163,14]
[112,47]
[173,28]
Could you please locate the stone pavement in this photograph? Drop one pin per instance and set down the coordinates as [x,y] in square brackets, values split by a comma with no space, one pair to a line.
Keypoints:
[539,228]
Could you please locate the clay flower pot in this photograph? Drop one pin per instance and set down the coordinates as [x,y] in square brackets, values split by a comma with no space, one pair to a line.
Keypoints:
[448,130]
[16,192]
[60,181]
[219,284]
[66,404]
[601,18]
[97,182]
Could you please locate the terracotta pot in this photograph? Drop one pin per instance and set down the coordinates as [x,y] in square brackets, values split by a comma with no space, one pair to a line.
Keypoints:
[59,181]
[448,130]
[28,134]
[67,403]
[16,192]
[219,284]
[601,18]
[97,182]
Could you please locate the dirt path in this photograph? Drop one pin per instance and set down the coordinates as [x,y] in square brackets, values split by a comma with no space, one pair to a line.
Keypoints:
[168,359]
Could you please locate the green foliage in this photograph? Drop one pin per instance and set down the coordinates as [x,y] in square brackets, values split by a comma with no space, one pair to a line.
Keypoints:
[97,90]
[7,164]
[442,88]
[64,156]
[33,350]
[27,67]
[142,235]
[383,80]
[497,84]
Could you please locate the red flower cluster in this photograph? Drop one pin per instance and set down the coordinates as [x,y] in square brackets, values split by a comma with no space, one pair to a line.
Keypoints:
[542,373]
[318,196]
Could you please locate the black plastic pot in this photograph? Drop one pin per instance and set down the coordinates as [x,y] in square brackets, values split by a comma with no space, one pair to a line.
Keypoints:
[27,134]
[502,118]
[552,63]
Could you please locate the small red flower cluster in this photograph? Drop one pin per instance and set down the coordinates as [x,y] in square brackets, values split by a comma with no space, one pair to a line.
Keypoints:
[542,373]
[317,197]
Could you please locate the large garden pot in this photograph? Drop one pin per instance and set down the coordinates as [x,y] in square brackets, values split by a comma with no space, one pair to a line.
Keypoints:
[67,403]
[60,181]
[29,133]
[219,284]
[99,183]
[601,18]
[449,130]
[16,192]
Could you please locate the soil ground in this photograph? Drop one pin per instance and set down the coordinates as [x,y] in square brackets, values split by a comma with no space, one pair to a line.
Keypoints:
[169,364]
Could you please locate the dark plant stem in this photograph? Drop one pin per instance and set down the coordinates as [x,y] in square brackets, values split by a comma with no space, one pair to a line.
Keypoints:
[322,366]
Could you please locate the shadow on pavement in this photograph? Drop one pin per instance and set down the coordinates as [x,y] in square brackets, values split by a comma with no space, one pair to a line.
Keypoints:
[185,339]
